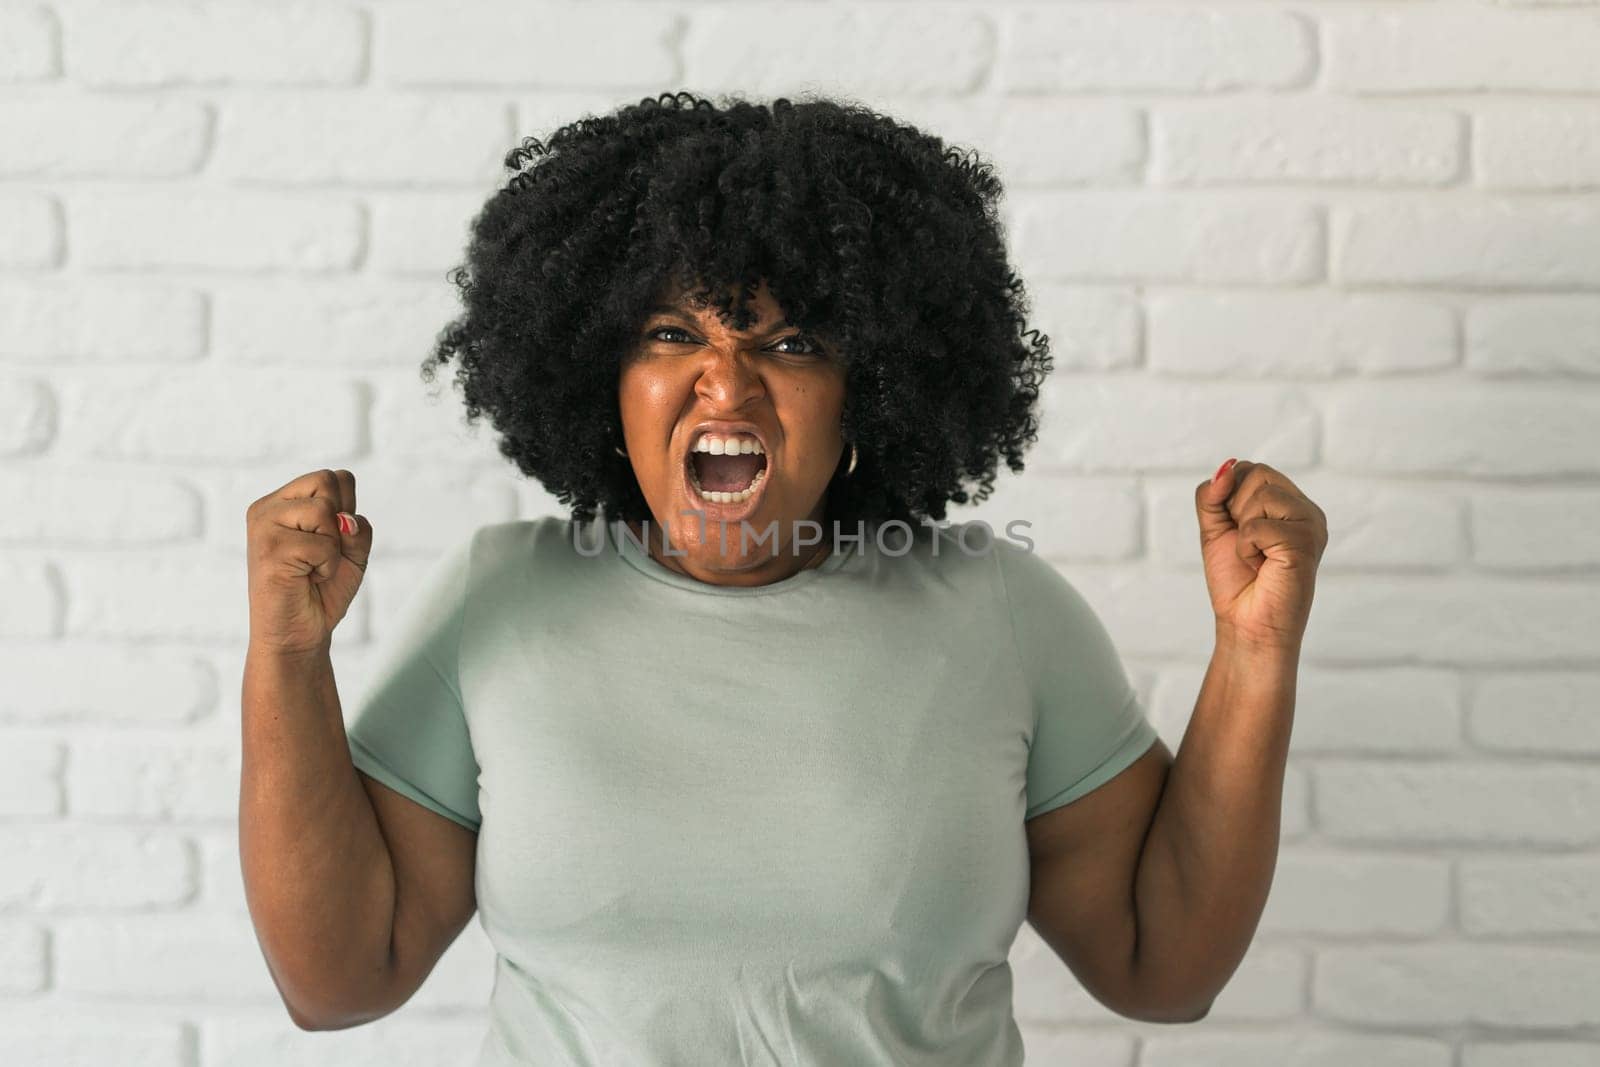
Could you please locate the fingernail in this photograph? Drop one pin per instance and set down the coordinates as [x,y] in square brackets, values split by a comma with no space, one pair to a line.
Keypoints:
[347,523]
[1222,470]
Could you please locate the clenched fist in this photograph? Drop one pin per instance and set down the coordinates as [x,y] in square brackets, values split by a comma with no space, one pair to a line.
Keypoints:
[304,567]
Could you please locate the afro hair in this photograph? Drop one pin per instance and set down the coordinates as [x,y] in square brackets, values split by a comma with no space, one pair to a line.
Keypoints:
[871,235]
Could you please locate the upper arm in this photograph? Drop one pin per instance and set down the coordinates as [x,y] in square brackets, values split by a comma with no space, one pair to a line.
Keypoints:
[1083,857]
[1096,770]
[435,862]
[411,745]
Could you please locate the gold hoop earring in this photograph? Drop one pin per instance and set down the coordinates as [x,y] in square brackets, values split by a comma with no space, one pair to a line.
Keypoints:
[852,468]
[619,451]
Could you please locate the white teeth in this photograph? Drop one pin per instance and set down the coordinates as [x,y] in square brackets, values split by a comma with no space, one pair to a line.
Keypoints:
[722,446]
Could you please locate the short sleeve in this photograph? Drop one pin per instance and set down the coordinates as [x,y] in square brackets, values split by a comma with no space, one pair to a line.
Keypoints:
[408,729]
[1089,724]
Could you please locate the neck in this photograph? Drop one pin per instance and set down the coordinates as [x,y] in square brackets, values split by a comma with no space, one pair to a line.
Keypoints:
[775,568]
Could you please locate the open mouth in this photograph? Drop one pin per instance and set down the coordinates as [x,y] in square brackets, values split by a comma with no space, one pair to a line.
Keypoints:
[726,473]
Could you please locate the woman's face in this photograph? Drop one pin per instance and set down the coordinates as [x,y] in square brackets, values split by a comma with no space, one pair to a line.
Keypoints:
[687,369]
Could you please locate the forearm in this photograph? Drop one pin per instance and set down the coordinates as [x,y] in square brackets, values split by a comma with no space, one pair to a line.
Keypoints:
[318,879]
[1208,859]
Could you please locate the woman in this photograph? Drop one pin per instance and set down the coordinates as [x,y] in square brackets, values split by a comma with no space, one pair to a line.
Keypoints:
[747,760]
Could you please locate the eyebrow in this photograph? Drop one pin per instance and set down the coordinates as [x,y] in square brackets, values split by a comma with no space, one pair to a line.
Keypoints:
[668,309]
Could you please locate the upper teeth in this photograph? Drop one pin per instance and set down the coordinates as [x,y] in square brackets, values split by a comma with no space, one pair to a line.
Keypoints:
[721,446]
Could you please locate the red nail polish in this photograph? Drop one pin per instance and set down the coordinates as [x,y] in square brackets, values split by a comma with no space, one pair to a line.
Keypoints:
[1223,469]
[346,524]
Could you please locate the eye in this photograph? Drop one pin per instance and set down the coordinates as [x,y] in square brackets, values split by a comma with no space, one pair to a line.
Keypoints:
[811,348]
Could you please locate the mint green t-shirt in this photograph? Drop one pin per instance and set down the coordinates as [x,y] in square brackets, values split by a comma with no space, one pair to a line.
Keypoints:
[777,824]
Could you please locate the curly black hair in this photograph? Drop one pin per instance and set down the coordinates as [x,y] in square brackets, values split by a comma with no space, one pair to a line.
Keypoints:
[872,236]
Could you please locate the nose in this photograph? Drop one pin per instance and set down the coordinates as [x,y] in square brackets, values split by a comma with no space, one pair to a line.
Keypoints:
[729,379]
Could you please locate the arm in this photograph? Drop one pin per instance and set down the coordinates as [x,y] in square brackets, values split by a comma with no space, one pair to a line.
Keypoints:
[1207,864]
[1150,887]
[355,890]
[1162,936]
[317,874]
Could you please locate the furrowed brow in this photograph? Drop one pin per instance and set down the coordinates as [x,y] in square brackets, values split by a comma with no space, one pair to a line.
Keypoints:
[667,309]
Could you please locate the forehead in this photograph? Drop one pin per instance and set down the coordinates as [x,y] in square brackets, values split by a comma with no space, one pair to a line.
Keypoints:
[675,298]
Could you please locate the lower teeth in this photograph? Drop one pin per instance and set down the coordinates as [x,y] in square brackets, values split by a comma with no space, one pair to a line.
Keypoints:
[719,497]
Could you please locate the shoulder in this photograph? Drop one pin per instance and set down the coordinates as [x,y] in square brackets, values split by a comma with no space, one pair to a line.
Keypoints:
[958,557]
[520,548]
[545,535]
[980,545]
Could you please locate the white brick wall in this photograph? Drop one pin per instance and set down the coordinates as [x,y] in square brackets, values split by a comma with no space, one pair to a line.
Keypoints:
[1359,241]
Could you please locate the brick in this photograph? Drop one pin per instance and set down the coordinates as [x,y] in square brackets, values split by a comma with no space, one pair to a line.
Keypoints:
[320,324]
[1467,428]
[422,233]
[1126,48]
[1567,521]
[30,44]
[128,687]
[1462,803]
[1300,334]
[1141,236]
[32,606]
[210,418]
[1541,335]
[1304,140]
[405,1042]
[137,43]
[945,49]
[1399,710]
[1486,243]
[543,112]
[1043,141]
[35,1032]
[132,139]
[1072,518]
[1302,1049]
[93,868]
[30,775]
[1551,145]
[100,321]
[1295,817]
[152,778]
[312,139]
[1046,1044]
[1530,895]
[1546,713]
[1340,894]
[1089,329]
[1529,1053]
[1083,424]
[1477,48]
[423,43]
[27,423]
[1453,985]
[201,958]
[417,422]
[214,230]
[1450,619]
[31,234]
[221,872]
[24,957]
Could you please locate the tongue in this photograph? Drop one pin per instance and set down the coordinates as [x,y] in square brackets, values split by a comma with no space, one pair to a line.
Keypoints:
[727,474]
